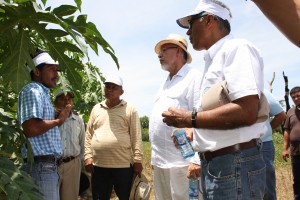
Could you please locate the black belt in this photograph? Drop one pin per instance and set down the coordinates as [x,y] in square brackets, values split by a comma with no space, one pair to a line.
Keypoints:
[209,155]
[46,158]
[67,159]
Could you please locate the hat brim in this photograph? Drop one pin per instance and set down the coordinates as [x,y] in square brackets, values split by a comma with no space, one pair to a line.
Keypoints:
[135,184]
[184,21]
[159,44]
[63,92]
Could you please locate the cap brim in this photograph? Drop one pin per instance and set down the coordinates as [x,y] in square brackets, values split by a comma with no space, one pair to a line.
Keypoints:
[184,21]
[63,92]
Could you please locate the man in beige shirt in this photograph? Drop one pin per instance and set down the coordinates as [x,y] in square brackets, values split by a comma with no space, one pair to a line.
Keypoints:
[113,143]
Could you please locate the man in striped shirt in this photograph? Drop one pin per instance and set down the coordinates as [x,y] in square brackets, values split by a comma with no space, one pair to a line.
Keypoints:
[113,143]
[72,134]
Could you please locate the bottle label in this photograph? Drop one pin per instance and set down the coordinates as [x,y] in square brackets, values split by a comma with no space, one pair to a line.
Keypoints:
[185,146]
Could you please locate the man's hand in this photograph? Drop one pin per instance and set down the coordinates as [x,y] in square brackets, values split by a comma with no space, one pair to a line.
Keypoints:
[137,169]
[285,155]
[188,133]
[64,114]
[193,171]
[88,163]
[177,117]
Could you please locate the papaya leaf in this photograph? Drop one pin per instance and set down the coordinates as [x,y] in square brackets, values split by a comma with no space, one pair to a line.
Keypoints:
[13,69]
[64,10]
[78,3]
[15,183]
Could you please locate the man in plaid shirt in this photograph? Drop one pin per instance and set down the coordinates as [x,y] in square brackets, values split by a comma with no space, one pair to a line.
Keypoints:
[36,116]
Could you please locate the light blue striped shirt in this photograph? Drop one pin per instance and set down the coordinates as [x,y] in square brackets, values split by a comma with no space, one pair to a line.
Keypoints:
[72,134]
[34,101]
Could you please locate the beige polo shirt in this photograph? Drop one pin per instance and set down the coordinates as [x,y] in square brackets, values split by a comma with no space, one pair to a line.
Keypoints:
[113,136]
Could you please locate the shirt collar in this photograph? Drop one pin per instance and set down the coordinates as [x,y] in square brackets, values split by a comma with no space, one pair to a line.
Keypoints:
[182,72]
[72,116]
[47,90]
[103,104]
[212,51]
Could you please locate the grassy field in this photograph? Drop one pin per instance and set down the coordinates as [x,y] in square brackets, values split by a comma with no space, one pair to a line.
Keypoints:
[283,170]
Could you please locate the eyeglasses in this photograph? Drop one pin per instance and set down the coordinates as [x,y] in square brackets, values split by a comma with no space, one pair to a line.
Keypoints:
[163,50]
[196,17]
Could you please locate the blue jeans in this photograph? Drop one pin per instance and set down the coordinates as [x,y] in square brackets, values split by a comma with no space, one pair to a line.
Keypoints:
[295,160]
[268,154]
[46,177]
[239,176]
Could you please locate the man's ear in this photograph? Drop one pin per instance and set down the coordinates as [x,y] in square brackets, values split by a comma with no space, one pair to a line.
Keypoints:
[122,91]
[36,72]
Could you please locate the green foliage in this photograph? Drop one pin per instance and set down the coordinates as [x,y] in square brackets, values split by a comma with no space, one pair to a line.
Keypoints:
[144,121]
[16,183]
[278,145]
[145,128]
[24,27]
[145,134]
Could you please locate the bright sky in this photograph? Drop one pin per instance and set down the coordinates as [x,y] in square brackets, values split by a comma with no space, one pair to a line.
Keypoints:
[133,27]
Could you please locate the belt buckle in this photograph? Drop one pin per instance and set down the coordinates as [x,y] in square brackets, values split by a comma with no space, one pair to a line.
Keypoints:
[59,161]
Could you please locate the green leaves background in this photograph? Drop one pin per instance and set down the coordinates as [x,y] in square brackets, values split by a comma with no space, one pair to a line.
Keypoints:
[67,35]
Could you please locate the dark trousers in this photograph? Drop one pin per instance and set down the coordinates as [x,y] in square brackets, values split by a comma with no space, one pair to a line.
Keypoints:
[296,174]
[104,179]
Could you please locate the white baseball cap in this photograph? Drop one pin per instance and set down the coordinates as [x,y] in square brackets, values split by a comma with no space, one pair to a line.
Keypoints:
[205,6]
[42,58]
[115,79]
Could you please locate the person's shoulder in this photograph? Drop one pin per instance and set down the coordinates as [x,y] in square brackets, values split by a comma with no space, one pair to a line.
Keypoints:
[77,116]
[193,71]
[291,111]
[235,42]
[128,105]
[31,87]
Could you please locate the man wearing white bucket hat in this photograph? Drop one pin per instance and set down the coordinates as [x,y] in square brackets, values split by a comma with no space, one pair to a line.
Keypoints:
[36,115]
[181,88]
[226,136]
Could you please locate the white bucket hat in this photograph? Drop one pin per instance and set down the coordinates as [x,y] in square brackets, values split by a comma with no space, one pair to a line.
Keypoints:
[177,40]
[140,189]
[205,6]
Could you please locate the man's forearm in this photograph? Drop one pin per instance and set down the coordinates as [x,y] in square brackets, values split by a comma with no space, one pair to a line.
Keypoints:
[35,127]
[285,15]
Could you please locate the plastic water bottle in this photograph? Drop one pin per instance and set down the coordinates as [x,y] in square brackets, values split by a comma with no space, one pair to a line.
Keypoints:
[194,189]
[185,146]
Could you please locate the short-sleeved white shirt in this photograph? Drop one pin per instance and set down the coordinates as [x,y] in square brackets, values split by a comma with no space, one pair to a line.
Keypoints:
[239,63]
[182,91]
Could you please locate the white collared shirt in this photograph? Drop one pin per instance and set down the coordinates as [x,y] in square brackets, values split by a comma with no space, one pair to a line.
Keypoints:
[182,91]
[239,63]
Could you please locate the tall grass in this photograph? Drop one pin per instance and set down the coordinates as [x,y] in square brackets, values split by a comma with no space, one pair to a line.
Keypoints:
[284,177]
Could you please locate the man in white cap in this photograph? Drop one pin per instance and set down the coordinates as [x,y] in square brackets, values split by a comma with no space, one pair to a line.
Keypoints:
[181,88]
[113,143]
[36,116]
[226,137]
[72,134]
